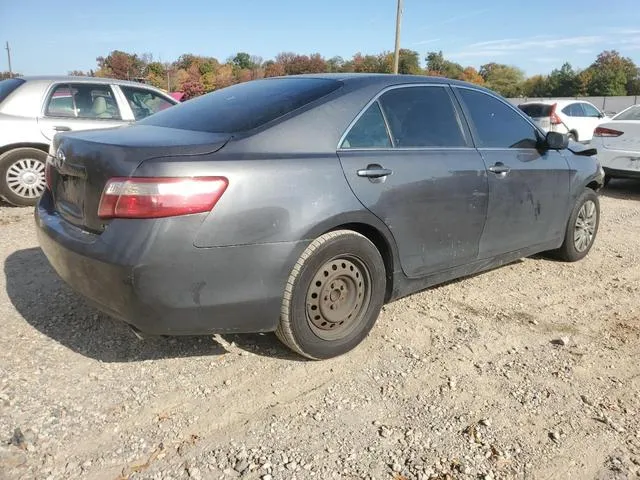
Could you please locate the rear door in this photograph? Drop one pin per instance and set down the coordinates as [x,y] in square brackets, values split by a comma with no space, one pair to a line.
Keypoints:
[528,186]
[409,159]
[79,106]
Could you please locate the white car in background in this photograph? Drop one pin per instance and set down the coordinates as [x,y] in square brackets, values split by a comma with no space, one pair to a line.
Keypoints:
[618,144]
[576,118]
[34,109]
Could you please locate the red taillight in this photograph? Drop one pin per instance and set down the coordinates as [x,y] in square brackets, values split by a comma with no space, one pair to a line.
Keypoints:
[554,118]
[606,132]
[160,197]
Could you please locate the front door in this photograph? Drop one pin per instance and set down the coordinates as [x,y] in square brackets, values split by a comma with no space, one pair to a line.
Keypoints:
[80,106]
[410,161]
[528,185]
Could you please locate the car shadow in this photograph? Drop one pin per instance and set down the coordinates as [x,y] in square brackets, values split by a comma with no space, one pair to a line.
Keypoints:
[52,308]
[623,189]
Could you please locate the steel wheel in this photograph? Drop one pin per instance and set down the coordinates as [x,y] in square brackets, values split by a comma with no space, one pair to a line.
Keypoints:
[585,226]
[26,178]
[338,296]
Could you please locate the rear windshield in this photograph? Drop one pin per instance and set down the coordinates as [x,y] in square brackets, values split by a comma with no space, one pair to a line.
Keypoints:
[244,106]
[631,114]
[9,85]
[536,110]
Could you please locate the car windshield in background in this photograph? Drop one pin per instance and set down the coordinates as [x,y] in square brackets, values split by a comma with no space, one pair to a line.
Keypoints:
[9,85]
[632,113]
[244,106]
[536,110]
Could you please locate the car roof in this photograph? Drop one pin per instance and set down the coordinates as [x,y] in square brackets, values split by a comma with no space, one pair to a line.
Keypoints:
[551,101]
[382,78]
[76,79]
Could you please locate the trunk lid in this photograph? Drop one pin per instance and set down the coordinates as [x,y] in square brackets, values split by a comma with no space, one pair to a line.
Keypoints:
[85,161]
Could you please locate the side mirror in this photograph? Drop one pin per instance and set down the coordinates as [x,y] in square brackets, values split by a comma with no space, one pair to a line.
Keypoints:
[557,141]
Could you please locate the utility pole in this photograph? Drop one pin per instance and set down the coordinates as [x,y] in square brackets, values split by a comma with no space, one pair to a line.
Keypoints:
[396,56]
[9,59]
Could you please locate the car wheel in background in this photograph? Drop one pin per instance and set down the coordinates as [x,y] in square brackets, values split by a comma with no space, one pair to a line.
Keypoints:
[582,228]
[22,176]
[333,296]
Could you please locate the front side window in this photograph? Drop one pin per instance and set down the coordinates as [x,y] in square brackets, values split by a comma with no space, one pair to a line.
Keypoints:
[573,110]
[496,124]
[144,102]
[590,110]
[83,101]
[369,131]
[422,117]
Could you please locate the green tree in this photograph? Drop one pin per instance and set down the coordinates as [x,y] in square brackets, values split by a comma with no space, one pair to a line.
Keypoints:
[439,66]
[504,79]
[536,86]
[563,82]
[612,74]
[243,60]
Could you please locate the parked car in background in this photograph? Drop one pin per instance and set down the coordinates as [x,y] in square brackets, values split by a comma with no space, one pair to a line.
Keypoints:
[301,204]
[576,118]
[618,144]
[34,109]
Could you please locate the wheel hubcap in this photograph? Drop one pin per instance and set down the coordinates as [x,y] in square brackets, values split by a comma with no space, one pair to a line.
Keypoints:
[585,226]
[338,297]
[26,178]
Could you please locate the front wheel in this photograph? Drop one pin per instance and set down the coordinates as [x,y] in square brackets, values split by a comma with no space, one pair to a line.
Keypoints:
[22,176]
[333,296]
[582,228]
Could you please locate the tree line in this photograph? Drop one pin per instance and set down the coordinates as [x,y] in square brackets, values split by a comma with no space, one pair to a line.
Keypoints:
[610,74]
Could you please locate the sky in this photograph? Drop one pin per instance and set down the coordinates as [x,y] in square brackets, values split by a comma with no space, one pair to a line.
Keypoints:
[56,37]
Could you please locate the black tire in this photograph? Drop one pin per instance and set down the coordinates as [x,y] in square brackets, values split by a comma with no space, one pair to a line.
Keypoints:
[12,158]
[573,136]
[341,264]
[572,250]
[607,179]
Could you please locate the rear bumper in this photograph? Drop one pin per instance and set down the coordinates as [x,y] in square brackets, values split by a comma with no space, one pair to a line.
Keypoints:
[619,163]
[164,290]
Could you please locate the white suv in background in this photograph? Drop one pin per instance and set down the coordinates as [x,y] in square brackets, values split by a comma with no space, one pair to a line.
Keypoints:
[576,118]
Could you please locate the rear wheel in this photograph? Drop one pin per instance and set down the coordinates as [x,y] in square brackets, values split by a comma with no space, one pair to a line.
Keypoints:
[573,136]
[333,296]
[22,177]
[582,228]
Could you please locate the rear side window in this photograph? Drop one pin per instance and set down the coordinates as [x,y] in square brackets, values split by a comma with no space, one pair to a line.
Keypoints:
[496,124]
[536,110]
[422,117]
[244,106]
[8,86]
[83,101]
[369,131]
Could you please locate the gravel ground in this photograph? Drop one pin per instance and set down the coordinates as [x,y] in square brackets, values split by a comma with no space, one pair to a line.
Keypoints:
[528,371]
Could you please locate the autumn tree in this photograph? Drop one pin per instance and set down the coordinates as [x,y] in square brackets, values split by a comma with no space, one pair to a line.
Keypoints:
[471,75]
[121,65]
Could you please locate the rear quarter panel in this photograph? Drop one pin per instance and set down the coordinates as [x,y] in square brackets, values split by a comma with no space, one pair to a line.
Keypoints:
[583,170]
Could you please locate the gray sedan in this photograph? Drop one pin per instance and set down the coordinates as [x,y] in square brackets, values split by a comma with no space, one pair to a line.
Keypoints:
[301,205]
[34,109]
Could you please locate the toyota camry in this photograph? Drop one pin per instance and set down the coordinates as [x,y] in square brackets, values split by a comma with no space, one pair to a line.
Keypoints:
[302,204]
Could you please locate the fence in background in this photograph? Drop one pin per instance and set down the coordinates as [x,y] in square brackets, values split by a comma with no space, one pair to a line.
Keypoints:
[606,104]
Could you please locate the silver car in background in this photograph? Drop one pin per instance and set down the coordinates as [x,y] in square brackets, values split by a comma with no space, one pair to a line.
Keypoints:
[34,109]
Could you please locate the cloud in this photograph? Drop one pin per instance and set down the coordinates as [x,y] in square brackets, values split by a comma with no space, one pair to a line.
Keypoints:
[506,46]
[426,42]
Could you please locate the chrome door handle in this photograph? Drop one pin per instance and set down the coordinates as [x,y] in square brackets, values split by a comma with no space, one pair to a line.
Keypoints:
[499,168]
[373,172]
[61,128]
